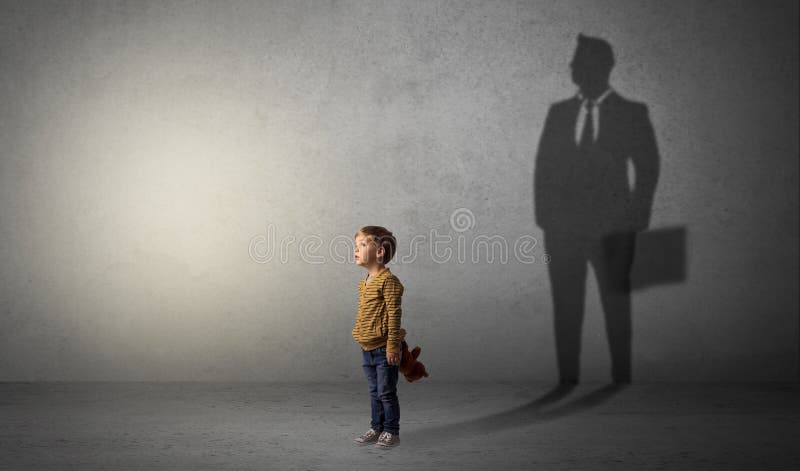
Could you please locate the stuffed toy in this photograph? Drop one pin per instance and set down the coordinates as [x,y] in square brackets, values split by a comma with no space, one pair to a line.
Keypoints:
[412,369]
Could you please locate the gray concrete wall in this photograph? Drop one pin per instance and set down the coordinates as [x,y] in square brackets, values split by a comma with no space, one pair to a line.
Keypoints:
[149,147]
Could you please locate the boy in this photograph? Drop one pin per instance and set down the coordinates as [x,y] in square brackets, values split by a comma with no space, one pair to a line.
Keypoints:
[377,331]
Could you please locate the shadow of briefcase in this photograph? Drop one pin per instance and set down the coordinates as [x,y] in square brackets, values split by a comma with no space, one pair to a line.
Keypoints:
[660,257]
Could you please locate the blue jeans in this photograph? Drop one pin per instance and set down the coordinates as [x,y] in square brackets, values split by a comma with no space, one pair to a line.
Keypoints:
[382,380]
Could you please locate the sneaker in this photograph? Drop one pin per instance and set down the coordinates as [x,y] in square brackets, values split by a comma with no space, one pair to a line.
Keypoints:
[367,437]
[387,440]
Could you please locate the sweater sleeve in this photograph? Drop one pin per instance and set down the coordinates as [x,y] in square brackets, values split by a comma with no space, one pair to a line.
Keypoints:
[393,295]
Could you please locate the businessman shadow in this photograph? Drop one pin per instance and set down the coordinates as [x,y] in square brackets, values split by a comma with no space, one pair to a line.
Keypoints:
[535,411]
[597,168]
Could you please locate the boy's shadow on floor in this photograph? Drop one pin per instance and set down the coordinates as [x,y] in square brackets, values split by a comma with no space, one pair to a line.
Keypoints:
[526,414]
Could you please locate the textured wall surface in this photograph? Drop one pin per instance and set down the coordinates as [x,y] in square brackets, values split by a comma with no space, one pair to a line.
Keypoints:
[152,154]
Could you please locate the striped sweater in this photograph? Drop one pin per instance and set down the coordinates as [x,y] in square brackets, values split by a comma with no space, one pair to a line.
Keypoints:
[378,319]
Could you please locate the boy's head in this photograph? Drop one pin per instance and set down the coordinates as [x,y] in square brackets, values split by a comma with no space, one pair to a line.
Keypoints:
[375,245]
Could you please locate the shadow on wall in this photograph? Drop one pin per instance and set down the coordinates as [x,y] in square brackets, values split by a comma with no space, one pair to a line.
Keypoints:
[590,212]
[660,257]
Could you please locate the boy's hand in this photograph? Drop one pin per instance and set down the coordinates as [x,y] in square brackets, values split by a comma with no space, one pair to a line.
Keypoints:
[392,358]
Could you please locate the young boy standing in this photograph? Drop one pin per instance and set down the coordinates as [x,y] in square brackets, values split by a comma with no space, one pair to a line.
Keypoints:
[377,329]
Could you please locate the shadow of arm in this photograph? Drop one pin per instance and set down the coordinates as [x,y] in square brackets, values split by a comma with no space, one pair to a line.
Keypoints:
[646,164]
[544,173]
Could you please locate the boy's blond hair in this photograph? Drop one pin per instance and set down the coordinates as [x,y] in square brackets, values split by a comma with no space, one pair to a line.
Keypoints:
[383,237]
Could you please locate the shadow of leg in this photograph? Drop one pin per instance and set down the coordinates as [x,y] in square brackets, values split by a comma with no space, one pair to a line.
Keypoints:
[612,260]
[567,271]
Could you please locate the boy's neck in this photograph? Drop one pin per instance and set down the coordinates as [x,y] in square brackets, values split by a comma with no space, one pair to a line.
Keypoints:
[374,270]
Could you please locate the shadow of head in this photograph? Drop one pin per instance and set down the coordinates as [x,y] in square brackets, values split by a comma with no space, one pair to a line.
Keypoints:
[591,66]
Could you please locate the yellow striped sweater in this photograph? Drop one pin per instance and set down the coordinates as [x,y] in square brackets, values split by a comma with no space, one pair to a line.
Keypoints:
[378,319]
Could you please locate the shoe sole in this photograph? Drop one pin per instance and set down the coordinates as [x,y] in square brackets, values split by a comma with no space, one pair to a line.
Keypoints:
[378,445]
[364,443]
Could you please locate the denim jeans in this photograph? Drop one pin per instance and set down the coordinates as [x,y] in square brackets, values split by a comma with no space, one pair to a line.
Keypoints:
[382,380]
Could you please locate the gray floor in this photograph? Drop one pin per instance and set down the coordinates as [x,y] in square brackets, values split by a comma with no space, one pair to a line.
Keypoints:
[243,426]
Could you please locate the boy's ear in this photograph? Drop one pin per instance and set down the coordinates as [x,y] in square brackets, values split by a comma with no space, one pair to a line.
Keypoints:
[380,253]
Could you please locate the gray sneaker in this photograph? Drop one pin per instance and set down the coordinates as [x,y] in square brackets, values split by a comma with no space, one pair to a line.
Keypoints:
[387,440]
[367,437]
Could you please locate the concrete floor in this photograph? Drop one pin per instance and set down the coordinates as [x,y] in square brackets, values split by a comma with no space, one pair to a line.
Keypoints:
[255,426]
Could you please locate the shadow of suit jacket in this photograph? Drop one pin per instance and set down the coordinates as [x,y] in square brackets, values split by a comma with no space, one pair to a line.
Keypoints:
[587,192]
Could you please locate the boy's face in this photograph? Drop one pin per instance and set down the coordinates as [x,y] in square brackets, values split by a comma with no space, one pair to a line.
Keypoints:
[366,251]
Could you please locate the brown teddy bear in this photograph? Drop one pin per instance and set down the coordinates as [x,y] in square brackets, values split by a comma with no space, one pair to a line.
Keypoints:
[412,369]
